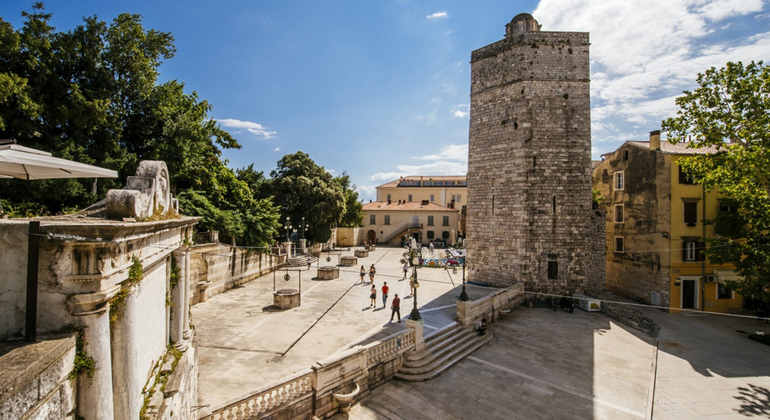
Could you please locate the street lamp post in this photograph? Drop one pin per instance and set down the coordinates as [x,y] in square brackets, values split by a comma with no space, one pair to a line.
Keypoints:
[464,296]
[415,315]
[303,225]
[288,228]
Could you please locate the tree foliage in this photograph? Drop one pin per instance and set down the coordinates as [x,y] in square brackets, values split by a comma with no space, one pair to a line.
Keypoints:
[354,209]
[92,95]
[303,189]
[730,110]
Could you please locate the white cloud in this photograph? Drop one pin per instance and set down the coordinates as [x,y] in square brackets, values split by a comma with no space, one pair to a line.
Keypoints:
[644,53]
[367,192]
[438,15]
[456,152]
[277,149]
[461,110]
[252,127]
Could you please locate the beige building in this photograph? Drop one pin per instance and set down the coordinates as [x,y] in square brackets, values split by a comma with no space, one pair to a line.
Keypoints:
[448,191]
[388,222]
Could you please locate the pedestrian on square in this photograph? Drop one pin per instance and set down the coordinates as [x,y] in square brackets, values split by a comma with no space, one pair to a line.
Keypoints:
[363,273]
[309,261]
[385,294]
[372,271]
[395,308]
[373,296]
[411,286]
[406,269]
[481,326]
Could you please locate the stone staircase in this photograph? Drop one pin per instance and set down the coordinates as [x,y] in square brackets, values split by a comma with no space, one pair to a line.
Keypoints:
[443,349]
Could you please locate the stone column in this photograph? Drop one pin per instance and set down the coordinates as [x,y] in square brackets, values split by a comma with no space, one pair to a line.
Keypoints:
[94,394]
[184,280]
[177,298]
[419,341]
[288,246]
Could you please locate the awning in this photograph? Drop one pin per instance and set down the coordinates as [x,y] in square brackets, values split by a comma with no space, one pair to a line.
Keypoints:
[27,163]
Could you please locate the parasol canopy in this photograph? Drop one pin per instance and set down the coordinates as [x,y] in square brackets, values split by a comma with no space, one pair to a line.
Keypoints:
[28,163]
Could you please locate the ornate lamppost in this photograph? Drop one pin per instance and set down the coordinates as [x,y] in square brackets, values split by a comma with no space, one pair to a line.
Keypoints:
[303,225]
[464,296]
[415,314]
[288,228]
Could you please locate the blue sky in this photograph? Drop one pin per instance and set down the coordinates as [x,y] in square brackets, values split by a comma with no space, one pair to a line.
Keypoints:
[380,89]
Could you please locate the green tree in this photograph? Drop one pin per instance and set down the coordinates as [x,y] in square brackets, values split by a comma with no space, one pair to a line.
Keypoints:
[92,95]
[301,188]
[730,110]
[354,209]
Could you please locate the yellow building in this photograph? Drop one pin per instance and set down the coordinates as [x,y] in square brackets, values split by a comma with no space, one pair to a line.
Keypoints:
[388,222]
[447,191]
[654,225]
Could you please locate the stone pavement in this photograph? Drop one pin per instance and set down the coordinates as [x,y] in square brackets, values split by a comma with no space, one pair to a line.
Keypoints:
[708,369]
[245,343]
[541,364]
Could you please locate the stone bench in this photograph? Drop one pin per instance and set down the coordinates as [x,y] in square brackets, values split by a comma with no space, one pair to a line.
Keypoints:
[328,273]
[361,253]
[286,298]
[348,261]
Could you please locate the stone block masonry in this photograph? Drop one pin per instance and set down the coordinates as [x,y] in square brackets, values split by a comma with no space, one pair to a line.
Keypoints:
[529,163]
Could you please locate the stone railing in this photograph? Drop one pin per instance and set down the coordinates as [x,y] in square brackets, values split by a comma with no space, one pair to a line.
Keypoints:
[491,306]
[269,399]
[389,347]
[311,392]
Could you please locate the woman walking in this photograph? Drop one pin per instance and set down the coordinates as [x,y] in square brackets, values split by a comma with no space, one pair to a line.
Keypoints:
[373,296]
[363,273]
[372,271]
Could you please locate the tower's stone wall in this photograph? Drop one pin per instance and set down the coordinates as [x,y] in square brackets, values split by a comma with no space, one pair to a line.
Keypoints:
[529,165]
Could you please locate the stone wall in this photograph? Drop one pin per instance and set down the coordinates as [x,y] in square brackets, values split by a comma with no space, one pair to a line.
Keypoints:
[596,254]
[217,268]
[529,180]
[13,285]
[35,382]
[626,314]
[348,236]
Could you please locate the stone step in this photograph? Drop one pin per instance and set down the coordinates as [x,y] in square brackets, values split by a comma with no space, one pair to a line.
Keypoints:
[436,355]
[439,347]
[442,365]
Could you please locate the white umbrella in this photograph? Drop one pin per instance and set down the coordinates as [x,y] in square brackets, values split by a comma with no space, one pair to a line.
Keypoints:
[27,163]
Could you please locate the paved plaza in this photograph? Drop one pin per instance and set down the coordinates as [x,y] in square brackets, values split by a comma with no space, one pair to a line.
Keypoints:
[541,364]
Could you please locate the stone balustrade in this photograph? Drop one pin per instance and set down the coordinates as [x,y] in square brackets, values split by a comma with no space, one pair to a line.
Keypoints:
[491,306]
[389,347]
[266,400]
[360,367]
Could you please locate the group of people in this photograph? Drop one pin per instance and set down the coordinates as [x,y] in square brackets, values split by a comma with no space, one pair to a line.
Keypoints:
[395,305]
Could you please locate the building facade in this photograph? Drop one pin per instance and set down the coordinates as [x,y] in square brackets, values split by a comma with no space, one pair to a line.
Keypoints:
[388,223]
[448,191]
[654,228]
[529,160]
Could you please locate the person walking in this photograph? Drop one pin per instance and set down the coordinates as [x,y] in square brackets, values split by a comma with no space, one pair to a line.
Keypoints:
[385,295]
[372,271]
[395,308]
[411,286]
[373,296]
[406,269]
[363,273]
[309,261]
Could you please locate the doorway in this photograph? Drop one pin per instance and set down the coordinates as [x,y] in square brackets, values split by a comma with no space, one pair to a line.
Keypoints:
[690,296]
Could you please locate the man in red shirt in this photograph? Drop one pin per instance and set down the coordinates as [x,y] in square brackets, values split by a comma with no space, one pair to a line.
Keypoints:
[395,308]
[385,294]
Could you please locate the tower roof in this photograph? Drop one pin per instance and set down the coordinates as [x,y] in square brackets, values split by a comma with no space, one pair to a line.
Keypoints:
[523,22]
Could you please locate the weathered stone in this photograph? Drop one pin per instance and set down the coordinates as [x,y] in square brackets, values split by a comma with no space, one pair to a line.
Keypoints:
[529,161]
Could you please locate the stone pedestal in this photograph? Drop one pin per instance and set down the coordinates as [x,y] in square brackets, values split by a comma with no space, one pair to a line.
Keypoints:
[348,261]
[419,342]
[361,253]
[286,298]
[328,273]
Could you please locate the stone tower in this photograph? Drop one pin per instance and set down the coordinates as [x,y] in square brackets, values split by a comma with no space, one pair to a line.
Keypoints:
[529,160]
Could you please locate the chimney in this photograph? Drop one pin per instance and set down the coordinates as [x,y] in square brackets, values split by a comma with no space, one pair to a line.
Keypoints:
[655,140]
[388,201]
